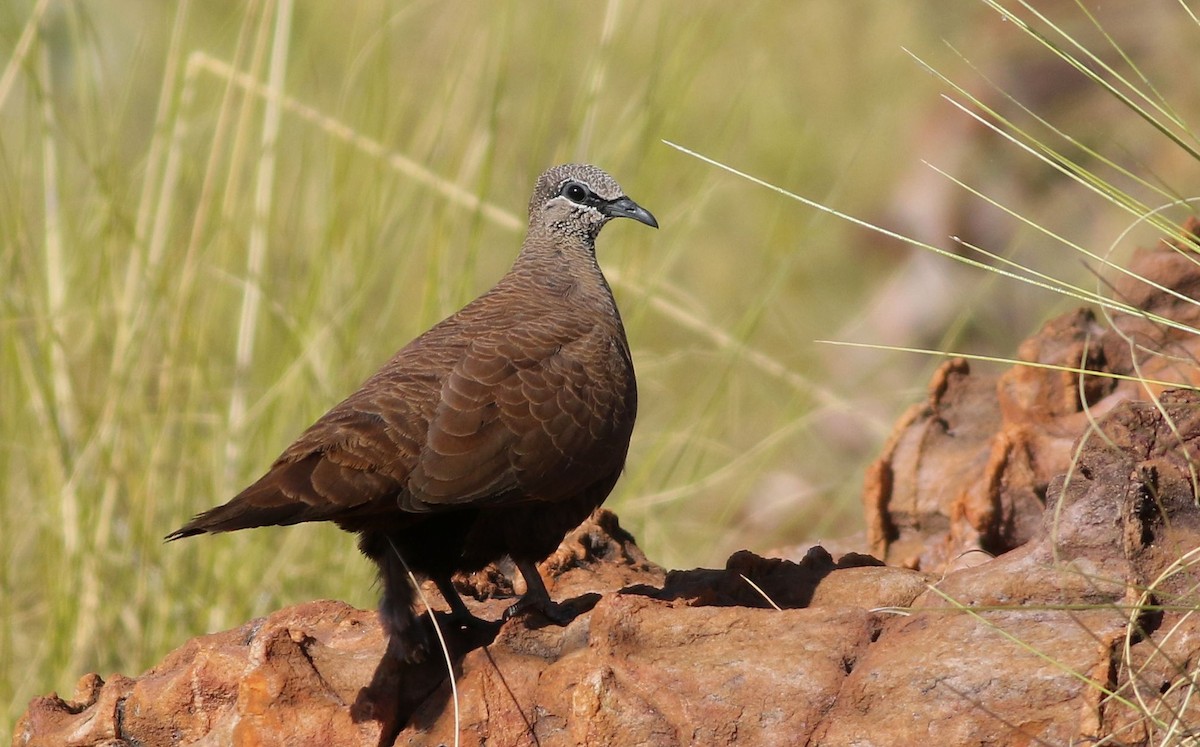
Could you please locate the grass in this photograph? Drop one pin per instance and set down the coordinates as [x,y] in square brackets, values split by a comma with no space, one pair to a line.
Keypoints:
[215,223]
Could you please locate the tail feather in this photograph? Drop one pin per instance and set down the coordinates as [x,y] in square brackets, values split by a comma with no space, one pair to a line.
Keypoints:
[241,514]
[281,497]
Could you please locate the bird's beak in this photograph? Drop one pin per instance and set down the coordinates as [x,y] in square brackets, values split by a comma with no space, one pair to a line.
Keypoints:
[623,207]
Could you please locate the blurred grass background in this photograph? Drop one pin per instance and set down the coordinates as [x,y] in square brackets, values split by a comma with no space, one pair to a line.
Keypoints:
[216,219]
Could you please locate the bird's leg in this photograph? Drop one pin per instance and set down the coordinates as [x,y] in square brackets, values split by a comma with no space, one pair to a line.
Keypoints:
[536,596]
[458,610]
[405,637]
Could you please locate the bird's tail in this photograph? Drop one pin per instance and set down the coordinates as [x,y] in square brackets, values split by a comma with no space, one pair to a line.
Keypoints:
[281,497]
[237,515]
[240,514]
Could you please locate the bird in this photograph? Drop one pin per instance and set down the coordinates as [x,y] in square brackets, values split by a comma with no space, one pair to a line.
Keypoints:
[491,435]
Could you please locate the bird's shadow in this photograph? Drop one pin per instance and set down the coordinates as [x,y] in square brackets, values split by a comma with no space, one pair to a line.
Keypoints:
[404,692]
[402,684]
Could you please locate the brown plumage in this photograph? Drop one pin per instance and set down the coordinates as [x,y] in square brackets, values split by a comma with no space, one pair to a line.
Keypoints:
[494,433]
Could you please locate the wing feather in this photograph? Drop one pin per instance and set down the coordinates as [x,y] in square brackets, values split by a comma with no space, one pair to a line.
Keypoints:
[521,418]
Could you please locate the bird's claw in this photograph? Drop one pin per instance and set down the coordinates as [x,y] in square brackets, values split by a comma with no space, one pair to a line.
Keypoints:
[559,614]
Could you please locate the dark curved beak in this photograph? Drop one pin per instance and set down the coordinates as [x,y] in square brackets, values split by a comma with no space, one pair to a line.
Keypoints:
[623,207]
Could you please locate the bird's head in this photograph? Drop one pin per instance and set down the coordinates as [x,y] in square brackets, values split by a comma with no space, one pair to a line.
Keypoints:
[577,199]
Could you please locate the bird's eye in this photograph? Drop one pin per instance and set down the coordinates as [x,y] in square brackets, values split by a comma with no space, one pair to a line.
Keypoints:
[574,191]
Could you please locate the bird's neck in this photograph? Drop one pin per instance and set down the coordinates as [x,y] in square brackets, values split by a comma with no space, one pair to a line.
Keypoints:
[563,269]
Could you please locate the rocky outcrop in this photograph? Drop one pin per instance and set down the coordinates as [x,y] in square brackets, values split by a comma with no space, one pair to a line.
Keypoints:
[1041,533]
[652,658]
[965,474]
[1039,645]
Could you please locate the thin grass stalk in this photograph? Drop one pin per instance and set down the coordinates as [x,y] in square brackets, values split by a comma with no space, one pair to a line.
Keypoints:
[1012,362]
[1069,168]
[1132,65]
[977,614]
[217,149]
[369,146]
[727,472]
[1059,286]
[21,50]
[128,314]
[600,63]
[61,402]
[257,251]
[1191,13]
[63,407]
[1031,144]
[1128,99]
[244,130]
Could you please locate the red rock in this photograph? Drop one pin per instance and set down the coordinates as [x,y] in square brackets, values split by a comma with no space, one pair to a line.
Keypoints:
[1020,650]
[965,473]
[295,672]
[648,672]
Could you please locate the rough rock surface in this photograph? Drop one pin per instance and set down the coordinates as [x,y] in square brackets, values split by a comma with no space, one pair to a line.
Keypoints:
[1055,525]
[964,475]
[1036,645]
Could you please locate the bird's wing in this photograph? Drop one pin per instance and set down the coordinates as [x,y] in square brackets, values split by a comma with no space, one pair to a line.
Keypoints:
[354,460]
[528,413]
[523,412]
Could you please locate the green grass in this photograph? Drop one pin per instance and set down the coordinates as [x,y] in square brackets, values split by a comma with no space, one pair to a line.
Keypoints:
[198,262]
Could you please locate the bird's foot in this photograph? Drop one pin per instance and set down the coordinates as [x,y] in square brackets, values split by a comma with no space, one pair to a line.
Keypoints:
[466,620]
[559,614]
[459,614]
[537,598]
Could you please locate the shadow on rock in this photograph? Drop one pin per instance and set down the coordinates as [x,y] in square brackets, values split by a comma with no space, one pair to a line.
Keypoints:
[398,686]
[749,580]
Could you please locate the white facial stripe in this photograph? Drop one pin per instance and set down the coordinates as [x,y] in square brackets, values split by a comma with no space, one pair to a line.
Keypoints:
[573,205]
